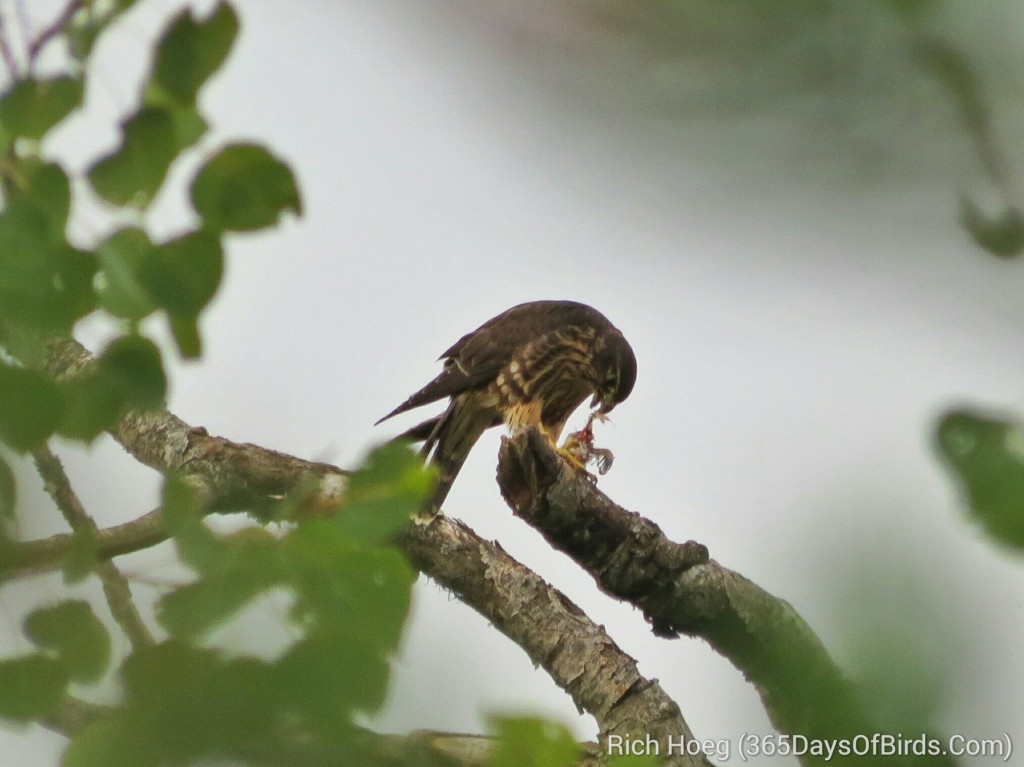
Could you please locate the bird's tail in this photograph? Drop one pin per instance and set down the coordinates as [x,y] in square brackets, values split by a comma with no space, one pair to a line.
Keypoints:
[447,440]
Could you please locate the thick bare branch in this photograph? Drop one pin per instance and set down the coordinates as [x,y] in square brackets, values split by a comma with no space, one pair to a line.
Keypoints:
[679,589]
[577,653]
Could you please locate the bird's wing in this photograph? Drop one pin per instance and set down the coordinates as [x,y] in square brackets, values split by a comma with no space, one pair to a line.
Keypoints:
[483,353]
[478,357]
[450,381]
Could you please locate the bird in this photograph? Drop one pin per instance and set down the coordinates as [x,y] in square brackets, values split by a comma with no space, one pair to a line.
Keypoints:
[530,366]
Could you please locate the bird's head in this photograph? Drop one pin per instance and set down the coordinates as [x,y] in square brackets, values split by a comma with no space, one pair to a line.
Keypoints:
[615,372]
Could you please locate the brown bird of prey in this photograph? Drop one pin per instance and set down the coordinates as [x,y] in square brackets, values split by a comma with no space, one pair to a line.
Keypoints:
[532,365]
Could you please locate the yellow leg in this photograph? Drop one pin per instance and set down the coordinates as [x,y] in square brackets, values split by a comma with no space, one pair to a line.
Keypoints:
[575,451]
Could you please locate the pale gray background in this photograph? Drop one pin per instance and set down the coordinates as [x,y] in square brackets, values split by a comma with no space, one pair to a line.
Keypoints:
[774,229]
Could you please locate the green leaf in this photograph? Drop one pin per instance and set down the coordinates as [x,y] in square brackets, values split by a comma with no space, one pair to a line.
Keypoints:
[134,172]
[32,407]
[121,289]
[985,453]
[25,262]
[30,687]
[41,286]
[530,742]
[644,760]
[1001,235]
[133,366]
[381,497]
[185,329]
[82,556]
[913,10]
[190,51]
[110,743]
[189,126]
[243,188]
[8,493]
[87,25]
[70,294]
[31,107]
[329,682]
[248,564]
[46,187]
[184,274]
[43,281]
[363,593]
[129,374]
[23,342]
[92,406]
[190,702]
[75,634]
[199,548]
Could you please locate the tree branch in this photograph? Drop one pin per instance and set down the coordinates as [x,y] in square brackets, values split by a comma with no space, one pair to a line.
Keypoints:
[52,30]
[679,589]
[7,53]
[28,557]
[115,585]
[577,653]
[579,656]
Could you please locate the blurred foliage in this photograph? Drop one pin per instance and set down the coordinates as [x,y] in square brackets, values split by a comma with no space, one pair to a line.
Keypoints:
[184,698]
[187,700]
[532,742]
[243,188]
[985,454]
[645,760]
[1001,234]
[48,283]
[8,495]
[72,646]
[880,89]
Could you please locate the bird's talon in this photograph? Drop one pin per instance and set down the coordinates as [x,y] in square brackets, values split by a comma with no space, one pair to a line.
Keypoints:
[579,450]
[570,457]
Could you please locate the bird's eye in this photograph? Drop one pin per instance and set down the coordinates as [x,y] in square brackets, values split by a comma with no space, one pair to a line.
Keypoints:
[611,381]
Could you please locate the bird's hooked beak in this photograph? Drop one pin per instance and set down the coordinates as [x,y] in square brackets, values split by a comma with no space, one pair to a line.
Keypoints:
[606,405]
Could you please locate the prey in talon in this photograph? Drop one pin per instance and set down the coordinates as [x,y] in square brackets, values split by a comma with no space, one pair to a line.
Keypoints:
[580,450]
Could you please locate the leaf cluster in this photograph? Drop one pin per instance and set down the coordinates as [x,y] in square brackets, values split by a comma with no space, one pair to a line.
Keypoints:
[185,699]
[48,282]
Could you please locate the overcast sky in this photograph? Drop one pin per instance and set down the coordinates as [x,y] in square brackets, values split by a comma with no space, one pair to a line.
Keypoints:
[788,269]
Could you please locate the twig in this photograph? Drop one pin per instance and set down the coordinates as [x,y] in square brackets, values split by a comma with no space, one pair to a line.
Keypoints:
[7,53]
[115,585]
[31,557]
[24,28]
[52,30]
